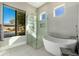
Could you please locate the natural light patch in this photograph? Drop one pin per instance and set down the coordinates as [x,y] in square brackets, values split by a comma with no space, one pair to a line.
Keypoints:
[58,11]
[27,27]
[13,40]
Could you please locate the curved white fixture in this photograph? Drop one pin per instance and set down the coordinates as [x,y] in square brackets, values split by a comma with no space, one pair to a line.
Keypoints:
[53,45]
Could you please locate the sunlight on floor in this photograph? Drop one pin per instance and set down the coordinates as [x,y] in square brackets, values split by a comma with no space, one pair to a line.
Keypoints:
[24,50]
[13,39]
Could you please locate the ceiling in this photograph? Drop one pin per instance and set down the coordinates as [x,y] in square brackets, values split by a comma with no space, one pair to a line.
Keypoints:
[36,4]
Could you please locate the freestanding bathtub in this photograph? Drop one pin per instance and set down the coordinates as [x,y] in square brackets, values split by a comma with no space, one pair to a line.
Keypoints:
[53,44]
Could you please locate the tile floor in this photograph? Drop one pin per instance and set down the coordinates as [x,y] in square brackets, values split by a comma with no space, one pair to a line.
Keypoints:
[24,50]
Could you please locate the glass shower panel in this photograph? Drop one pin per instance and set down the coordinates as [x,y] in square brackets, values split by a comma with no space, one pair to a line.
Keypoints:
[41,29]
[31,31]
[36,31]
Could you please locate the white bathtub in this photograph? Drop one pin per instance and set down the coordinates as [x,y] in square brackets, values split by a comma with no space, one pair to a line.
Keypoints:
[52,44]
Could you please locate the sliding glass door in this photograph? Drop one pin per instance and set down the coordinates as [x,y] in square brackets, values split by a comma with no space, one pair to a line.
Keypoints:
[20,22]
[13,21]
[8,21]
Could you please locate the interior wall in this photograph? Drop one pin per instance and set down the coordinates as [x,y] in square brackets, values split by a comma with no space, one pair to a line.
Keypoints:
[63,25]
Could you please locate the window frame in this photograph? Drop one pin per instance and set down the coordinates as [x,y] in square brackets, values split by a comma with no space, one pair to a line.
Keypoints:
[62,5]
[41,14]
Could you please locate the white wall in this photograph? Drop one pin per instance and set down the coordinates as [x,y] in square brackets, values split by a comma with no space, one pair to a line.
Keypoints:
[64,25]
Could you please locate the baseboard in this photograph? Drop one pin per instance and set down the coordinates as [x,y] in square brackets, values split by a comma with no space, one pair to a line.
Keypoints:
[15,45]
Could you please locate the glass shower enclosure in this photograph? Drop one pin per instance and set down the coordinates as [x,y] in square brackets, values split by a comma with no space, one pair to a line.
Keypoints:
[36,29]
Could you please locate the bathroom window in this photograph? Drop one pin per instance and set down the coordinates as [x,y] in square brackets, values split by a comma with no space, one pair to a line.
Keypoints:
[58,11]
[43,16]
